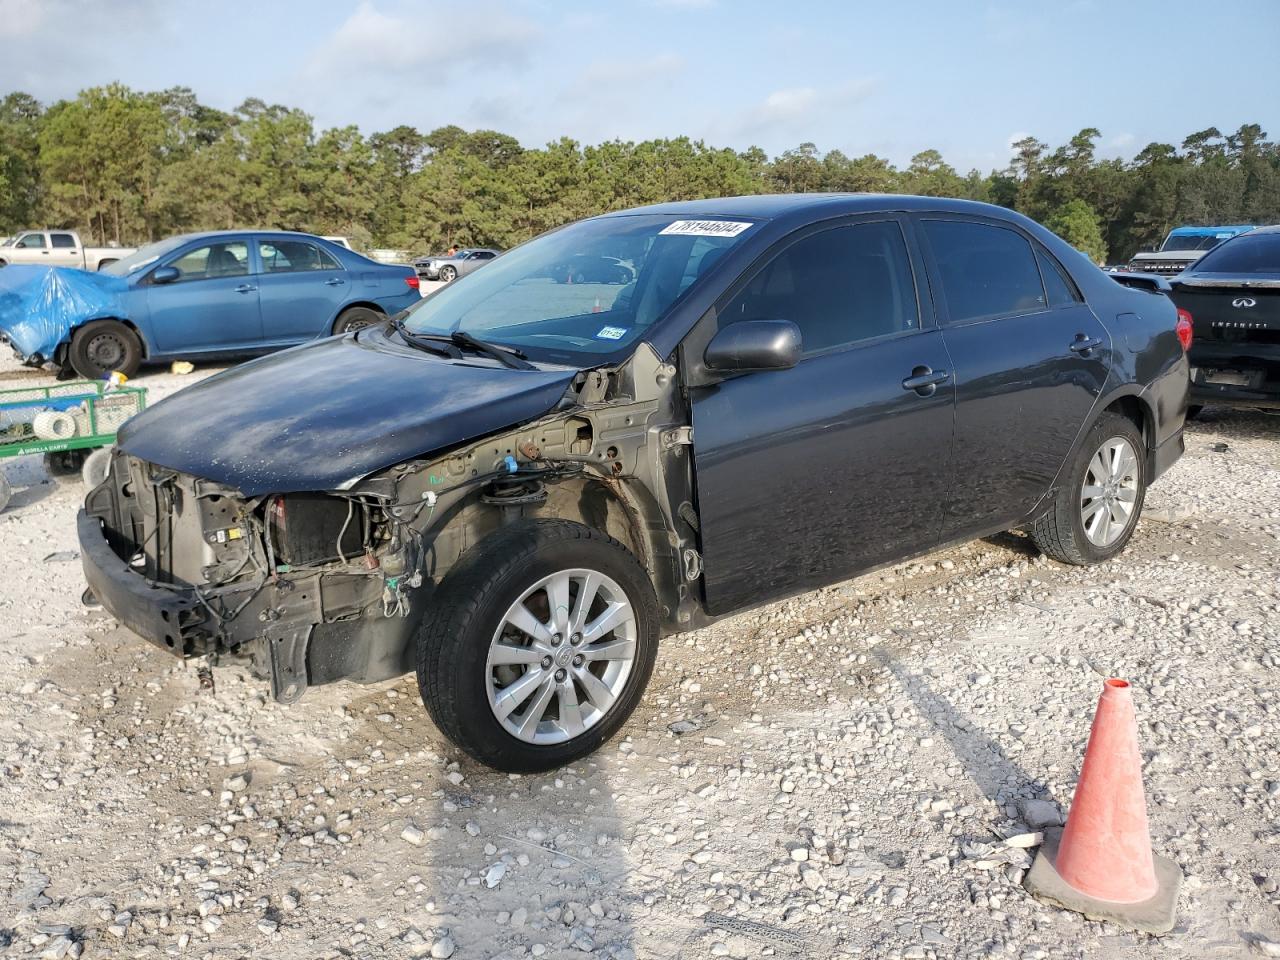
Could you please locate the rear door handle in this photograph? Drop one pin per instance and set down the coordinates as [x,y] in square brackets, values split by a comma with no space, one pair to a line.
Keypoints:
[924,380]
[246,288]
[1082,344]
[334,282]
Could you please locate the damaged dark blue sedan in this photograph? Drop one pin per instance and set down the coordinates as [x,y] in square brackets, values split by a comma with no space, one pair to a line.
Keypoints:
[517,486]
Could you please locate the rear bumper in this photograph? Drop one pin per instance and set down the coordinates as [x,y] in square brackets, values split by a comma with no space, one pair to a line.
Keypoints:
[1259,362]
[167,617]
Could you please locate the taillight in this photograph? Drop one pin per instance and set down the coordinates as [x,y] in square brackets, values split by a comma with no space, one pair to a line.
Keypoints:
[412,281]
[1184,328]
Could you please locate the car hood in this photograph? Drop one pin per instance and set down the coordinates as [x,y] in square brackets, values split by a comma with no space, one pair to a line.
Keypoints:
[321,416]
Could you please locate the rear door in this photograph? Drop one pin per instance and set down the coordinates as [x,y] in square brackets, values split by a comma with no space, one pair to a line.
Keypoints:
[302,286]
[1030,361]
[806,476]
[64,250]
[213,305]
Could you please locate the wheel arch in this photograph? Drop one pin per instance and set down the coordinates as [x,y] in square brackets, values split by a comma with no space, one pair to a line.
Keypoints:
[368,304]
[132,325]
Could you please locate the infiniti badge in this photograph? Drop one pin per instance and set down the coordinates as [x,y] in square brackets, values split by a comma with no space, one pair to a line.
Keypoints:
[1244,303]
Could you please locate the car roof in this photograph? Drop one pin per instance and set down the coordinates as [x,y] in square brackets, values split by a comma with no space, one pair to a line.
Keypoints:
[774,205]
[1208,231]
[215,234]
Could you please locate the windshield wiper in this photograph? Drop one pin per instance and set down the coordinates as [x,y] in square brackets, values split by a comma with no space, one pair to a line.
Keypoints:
[510,356]
[427,343]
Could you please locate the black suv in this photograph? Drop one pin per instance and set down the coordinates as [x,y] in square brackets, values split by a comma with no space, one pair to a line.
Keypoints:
[518,485]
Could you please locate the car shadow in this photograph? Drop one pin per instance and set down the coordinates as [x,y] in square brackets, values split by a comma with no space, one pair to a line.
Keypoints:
[1000,778]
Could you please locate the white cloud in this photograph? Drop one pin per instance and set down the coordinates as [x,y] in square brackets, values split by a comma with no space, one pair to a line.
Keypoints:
[458,35]
[21,18]
[793,112]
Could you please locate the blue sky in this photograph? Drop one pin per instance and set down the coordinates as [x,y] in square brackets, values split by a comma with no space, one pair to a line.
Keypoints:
[966,78]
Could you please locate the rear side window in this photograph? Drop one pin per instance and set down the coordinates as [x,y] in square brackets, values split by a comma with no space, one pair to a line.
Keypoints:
[1061,291]
[987,271]
[291,256]
[838,286]
[63,241]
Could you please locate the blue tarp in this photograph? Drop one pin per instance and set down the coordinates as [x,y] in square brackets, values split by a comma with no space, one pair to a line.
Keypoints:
[40,305]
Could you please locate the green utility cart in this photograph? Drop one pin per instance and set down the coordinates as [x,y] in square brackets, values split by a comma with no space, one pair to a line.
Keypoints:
[72,424]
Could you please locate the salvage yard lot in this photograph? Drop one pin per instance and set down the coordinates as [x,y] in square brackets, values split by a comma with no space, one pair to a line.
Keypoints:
[829,776]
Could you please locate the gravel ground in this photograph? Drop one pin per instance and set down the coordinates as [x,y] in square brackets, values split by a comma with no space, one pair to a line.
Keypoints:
[833,776]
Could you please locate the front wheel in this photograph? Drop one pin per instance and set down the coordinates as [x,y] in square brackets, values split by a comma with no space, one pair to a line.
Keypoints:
[103,347]
[539,645]
[1095,512]
[448,274]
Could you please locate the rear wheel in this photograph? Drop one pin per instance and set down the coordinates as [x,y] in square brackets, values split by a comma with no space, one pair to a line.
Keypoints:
[102,347]
[356,318]
[1095,512]
[539,645]
[448,273]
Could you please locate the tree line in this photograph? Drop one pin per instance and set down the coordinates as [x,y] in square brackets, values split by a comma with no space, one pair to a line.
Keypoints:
[126,166]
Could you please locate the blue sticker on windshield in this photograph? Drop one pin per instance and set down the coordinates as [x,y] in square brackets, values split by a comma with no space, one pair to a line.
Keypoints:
[611,333]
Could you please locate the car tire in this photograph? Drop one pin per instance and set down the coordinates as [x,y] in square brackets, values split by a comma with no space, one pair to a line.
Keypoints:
[1096,510]
[103,347]
[96,466]
[511,575]
[356,318]
[448,274]
[6,491]
[64,466]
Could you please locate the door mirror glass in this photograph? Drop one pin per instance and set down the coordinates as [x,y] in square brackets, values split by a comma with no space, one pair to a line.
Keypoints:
[754,345]
[165,275]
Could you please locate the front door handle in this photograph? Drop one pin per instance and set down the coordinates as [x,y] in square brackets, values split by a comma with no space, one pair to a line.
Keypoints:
[246,288]
[924,380]
[334,282]
[1082,344]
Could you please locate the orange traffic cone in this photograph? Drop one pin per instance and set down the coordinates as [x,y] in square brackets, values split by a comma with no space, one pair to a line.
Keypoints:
[1101,863]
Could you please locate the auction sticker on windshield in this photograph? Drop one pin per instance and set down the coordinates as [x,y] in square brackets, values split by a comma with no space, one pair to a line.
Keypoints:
[704,228]
[611,333]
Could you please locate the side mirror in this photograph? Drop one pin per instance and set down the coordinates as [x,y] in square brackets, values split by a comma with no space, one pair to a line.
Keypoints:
[165,274]
[754,345]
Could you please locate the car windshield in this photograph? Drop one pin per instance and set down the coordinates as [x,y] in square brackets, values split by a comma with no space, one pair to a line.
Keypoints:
[1247,253]
[143,258]
[588,289]
[1187,242]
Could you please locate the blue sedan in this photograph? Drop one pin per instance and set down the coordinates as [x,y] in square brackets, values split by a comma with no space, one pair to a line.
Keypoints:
[202,295]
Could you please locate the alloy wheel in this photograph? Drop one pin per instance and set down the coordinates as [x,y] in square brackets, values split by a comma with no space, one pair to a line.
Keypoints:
[1109,492]
[561,656]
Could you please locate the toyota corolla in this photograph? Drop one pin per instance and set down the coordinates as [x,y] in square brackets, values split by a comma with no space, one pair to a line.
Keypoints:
[517,486]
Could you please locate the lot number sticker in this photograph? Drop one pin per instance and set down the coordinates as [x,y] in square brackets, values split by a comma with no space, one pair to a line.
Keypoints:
[704,228]
[611,333]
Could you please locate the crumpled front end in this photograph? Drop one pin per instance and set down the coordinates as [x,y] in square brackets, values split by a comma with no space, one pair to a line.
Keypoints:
[197,569]
[40,306]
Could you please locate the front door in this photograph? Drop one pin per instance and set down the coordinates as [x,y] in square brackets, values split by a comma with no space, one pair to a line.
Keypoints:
[807,476]
[1030,361]
[301,289]
[212,306]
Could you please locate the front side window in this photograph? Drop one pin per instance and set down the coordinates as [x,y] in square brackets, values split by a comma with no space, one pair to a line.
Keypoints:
[526,298]
[987,271]
[32,241]
[292,256]
[63,241]
[838,286]
[230,259]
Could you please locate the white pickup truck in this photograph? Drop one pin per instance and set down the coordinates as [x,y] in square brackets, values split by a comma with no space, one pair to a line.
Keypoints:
[58,248]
